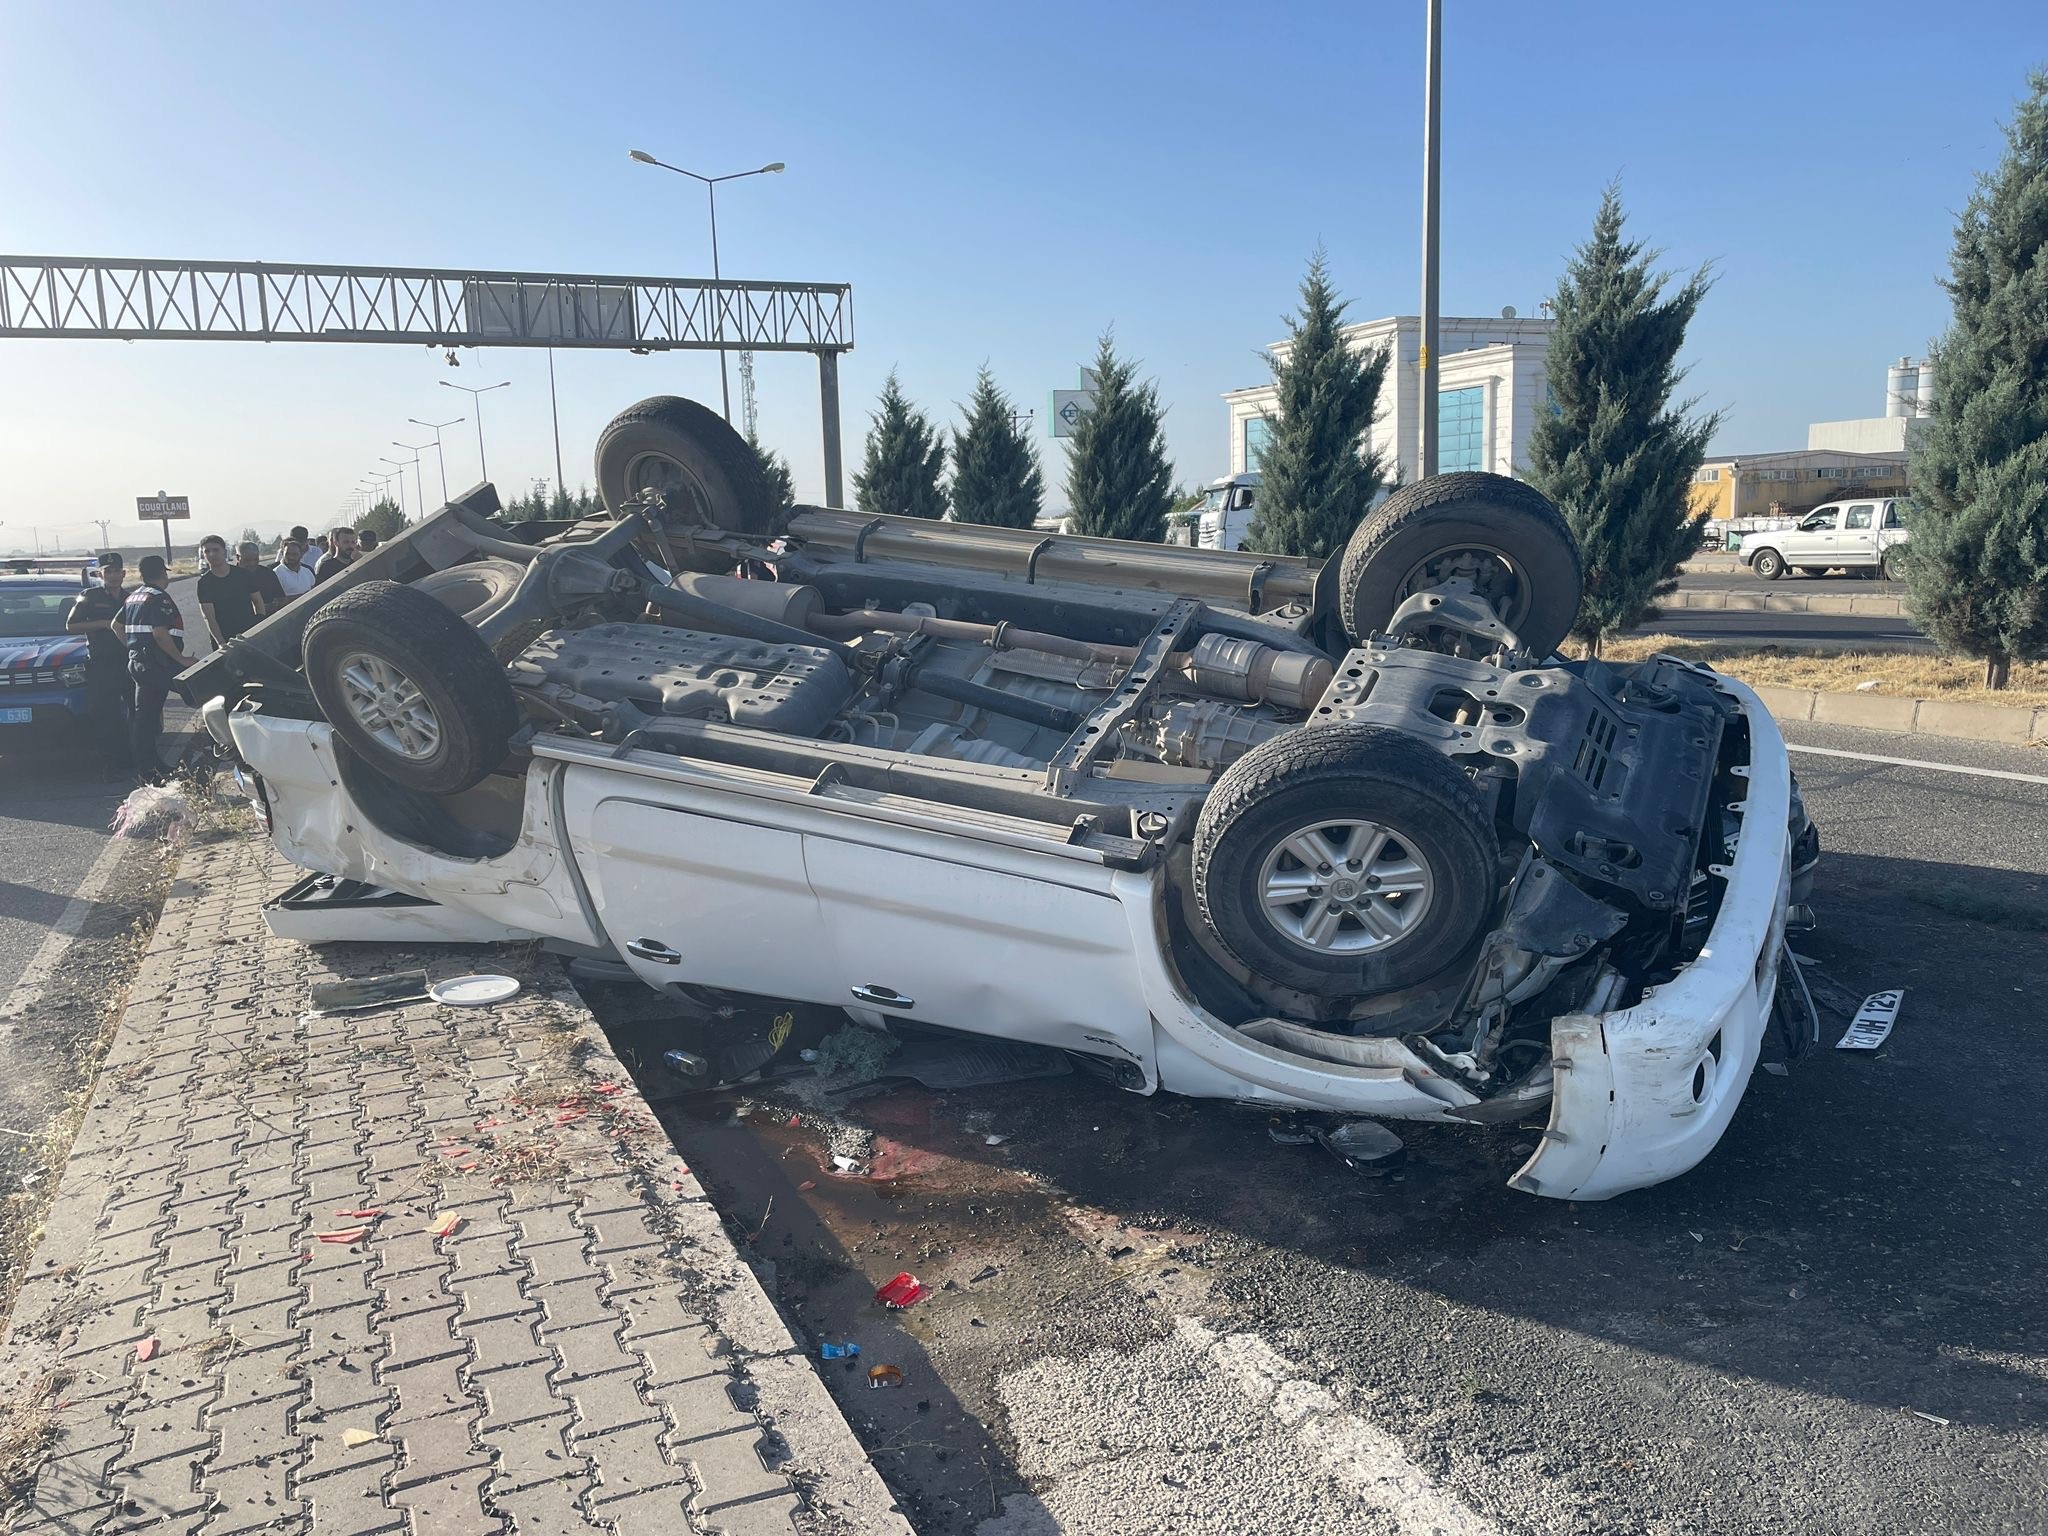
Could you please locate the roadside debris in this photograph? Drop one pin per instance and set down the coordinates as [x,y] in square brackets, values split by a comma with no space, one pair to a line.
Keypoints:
[846,1351]
[852,1052]
[145,1349]
[1873,1023]
[1932,1418]
[446,1223]
[1285,1131]
[885,1376]
[904,1290]
[689,1063]
[361,993]
[474,991]
[1365,1145]
[151,810]
[355,1437]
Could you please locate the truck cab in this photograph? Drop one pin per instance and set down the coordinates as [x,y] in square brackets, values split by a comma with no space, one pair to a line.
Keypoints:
[1224,519]
[1860,534]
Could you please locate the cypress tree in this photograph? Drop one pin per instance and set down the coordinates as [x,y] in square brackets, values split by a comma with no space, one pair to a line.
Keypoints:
[1316,476]
[1617,454]
[1118,481]
[996,478]
[775,471]
[1977,566]
[905,463]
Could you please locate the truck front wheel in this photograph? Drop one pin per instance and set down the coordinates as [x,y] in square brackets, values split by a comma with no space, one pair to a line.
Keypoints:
[1347,859]
[410,687]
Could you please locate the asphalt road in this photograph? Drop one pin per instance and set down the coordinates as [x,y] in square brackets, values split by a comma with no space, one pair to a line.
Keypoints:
[1740,580]
[1790,629]
[1149,1317]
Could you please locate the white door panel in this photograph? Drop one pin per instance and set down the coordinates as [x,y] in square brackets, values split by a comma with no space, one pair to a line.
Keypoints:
[978,949]
[729,899]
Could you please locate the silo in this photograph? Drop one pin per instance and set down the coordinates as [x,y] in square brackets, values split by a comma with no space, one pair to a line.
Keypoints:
[1901,388]
[1925,401]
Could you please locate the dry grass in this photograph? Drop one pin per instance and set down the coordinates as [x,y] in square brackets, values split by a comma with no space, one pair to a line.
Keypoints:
[1907,674]
[26,1435]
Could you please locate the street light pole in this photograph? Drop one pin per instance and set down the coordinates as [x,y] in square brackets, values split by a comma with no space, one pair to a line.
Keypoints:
[1432,179]
[440,456]
[717,278]
[555,411]
[417,484]
[476,396]
[398,468]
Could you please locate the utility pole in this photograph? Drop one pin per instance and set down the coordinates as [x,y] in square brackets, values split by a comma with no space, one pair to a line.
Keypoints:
[104,523]
[1432,180]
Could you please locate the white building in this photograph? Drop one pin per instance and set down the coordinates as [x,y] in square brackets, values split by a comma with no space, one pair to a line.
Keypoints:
[1490,386]
[1908,403]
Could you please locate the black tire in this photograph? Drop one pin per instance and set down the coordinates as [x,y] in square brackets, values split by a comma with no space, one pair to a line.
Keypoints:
[704,470]
[1890,566]
[462,687]
[1768,564]
[1322,774]
[1534,580]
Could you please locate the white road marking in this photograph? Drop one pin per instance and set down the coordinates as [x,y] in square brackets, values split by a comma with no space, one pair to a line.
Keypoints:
[28,991]
[1919,762]
[1367,1460]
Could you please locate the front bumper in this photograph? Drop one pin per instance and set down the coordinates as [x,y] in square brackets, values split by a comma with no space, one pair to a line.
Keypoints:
[1644,1093]
[48,704]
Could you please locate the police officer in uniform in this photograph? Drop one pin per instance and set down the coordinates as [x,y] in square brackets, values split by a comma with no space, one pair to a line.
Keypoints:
[96,614]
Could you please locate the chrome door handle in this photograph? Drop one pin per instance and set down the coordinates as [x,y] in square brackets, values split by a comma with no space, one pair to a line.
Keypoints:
[883,997]
[649,949]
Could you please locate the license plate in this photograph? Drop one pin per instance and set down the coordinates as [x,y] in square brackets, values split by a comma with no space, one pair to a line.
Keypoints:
[16,716]
[1873,1023]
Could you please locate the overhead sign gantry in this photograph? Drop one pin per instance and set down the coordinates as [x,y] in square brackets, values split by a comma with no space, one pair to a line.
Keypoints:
[93,297]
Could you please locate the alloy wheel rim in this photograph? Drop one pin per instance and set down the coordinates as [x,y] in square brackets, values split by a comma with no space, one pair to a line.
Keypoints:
[389,706]
[1345,886]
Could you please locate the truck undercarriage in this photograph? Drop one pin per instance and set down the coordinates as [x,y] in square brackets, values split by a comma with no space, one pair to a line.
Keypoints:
[1381,848]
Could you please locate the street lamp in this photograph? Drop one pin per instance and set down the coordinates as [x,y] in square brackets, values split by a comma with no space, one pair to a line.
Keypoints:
[711,191]
[398,469]
[476,396]
[439,457]
[416,450]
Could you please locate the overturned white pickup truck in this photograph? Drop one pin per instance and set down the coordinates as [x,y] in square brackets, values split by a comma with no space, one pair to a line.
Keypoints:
[1338,836]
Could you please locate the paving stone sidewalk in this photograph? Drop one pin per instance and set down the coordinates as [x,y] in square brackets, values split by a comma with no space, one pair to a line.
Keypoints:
[580,1348]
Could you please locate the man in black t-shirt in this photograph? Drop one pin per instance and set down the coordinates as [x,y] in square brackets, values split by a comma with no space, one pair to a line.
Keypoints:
[227,595]
[269,591]
[155,632]
[341,553]
[96,614]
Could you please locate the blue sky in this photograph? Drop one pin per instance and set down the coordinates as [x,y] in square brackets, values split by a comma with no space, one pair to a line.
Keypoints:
[998,184]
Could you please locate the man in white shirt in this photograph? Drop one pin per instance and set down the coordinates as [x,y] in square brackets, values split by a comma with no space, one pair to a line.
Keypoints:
[291,570]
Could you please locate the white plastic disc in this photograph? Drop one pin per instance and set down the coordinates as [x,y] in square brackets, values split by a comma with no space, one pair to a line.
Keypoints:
[473,991]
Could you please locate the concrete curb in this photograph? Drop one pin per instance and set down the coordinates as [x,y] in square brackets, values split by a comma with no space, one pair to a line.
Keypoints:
[1748,600]
[1913,717]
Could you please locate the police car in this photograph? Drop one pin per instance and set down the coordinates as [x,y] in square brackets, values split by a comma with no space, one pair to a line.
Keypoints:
[42,669]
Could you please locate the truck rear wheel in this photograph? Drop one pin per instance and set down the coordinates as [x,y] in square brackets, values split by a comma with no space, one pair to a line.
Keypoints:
[411,688]
[704,471]
[1347,859]
[1500,534]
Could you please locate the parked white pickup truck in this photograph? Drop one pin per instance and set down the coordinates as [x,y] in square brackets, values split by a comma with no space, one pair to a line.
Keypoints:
[1866,535]
[1337,836]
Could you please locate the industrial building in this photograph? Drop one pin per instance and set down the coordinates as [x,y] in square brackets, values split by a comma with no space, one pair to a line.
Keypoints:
[1764,485]
[1490,387]
[1866,456]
